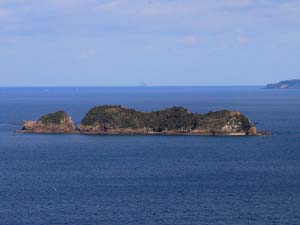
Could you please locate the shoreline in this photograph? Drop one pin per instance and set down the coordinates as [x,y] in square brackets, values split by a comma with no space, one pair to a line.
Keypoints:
[116,133]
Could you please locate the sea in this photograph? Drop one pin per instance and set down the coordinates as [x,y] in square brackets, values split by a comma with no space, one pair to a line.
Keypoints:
[159,180]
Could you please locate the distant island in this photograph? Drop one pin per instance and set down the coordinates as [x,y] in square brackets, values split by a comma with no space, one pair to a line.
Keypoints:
[121,120]
[286,84]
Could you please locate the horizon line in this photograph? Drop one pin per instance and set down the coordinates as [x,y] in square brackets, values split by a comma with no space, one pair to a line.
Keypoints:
[133,86]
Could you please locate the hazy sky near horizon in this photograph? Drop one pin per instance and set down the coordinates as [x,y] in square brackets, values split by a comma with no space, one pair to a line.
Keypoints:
[158,42]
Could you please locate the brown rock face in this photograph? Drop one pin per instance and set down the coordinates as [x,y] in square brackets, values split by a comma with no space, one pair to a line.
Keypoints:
[58,122]
[252,131]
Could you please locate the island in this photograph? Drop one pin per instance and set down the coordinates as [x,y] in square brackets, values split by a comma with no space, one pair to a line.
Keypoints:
[116,119]
[58,122]
[286,84]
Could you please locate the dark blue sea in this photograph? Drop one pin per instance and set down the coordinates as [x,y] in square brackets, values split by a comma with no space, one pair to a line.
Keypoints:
[159,180]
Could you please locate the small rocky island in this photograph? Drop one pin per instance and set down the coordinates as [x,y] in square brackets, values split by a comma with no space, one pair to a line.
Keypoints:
[286,84]
[121,120]
[58,122]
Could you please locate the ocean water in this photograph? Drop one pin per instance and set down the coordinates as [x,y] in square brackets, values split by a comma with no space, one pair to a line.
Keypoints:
[184,180]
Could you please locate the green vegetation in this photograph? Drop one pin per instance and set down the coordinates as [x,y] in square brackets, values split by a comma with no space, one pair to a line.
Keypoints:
[114,117]
[215,121]
[171,119]
[55,118]
[176,118]
[111,119]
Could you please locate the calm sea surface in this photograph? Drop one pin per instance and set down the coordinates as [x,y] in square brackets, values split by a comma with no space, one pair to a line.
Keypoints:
[73,179]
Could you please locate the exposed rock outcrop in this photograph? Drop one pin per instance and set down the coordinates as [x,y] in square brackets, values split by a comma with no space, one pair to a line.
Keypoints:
[58,122]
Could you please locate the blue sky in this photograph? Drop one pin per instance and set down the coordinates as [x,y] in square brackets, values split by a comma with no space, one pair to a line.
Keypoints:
[158,42]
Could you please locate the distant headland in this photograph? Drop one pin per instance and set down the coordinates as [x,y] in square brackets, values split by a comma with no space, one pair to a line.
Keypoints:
[109,119]
[286,84]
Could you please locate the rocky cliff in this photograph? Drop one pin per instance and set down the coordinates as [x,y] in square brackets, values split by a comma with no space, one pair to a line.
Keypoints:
[58,122]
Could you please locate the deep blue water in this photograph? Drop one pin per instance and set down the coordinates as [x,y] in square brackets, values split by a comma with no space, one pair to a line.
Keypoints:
[73,179]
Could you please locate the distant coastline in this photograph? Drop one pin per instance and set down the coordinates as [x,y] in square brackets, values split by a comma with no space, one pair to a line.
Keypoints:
[134,86]
[286,84]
